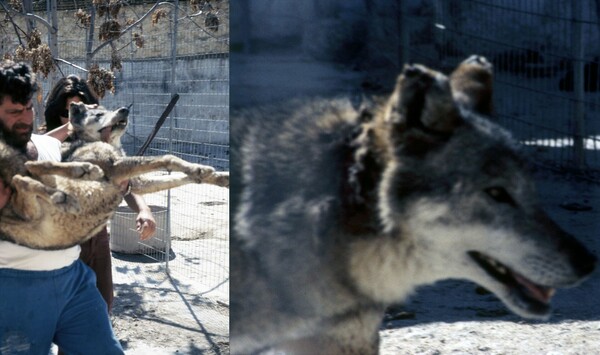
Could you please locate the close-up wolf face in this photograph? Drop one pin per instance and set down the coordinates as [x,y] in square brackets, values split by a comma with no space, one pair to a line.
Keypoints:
[466,202]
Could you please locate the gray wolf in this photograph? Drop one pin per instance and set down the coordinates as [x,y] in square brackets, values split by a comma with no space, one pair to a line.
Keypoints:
[64,204]
[339,212]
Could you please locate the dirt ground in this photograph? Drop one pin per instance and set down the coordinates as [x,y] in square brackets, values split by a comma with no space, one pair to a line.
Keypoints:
[155,313]
[185,311]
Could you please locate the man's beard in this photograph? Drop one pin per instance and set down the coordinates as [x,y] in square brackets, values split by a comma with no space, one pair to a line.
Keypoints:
[16,139]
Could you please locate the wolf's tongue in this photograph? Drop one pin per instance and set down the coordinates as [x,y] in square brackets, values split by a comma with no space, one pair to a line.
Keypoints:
[105,134]
[540,293]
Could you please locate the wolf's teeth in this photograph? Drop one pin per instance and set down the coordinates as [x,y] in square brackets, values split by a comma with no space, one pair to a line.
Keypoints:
[496,265]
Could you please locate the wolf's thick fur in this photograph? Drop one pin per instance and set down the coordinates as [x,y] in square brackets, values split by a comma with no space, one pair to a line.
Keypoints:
[338,213]
[63,204]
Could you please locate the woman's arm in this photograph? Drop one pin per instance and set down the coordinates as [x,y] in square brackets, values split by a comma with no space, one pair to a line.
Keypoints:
[61,133]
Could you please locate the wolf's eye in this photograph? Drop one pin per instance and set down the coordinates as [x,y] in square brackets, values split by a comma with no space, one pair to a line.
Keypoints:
[499,194]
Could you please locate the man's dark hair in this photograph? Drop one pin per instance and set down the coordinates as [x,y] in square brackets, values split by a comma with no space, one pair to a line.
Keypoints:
[17,81]
[64,89]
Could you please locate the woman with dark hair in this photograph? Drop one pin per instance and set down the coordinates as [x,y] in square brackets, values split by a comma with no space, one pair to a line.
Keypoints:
[96,251]
[67,90]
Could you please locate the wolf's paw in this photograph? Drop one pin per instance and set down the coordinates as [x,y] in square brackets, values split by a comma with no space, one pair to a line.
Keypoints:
[479,61]
[65,202]
[424,100]
[88,171]
[200,173]
[472,85]
[20,182]
[413,73]
[219,178]
[414,82]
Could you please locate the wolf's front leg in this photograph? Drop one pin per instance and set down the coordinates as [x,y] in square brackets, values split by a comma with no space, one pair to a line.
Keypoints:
[74,170]
[150,184]
[27,191]
[129,167]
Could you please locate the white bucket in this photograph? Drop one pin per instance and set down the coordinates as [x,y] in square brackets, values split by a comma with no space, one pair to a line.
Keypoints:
[124,238]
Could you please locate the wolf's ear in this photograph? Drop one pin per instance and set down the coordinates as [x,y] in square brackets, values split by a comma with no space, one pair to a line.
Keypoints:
[472,85]
[422,100]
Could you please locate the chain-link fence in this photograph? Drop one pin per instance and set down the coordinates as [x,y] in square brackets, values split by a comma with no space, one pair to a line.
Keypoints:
[183,51]
[546,59]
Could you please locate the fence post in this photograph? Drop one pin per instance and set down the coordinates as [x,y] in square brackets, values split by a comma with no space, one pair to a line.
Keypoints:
[245,23]
[173,77]
[52,13]
[578,84]
[404,35]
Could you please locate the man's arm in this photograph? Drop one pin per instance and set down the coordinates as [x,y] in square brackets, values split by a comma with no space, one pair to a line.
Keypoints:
[144,223]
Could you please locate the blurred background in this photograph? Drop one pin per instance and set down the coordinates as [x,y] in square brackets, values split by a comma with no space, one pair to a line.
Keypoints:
[545,54]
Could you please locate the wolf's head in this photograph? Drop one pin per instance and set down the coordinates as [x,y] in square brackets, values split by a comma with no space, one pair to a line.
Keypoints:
[458,195]
[98,124]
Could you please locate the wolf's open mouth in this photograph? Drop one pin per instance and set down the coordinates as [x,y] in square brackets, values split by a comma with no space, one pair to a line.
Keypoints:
[120,124]
[536,296]
[106,131]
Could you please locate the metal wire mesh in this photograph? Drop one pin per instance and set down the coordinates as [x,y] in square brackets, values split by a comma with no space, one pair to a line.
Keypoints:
[545,55]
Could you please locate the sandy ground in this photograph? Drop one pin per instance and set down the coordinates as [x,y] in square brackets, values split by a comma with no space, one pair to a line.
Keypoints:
[185,311]
[155,313]
[452,318]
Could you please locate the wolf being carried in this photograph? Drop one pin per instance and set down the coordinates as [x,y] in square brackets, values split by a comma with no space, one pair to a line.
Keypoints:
[64,204]
[339,213]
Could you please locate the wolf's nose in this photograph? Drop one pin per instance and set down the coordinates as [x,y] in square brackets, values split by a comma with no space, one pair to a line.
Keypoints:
[587,264]
[581,259]
[123,111]
[74,108]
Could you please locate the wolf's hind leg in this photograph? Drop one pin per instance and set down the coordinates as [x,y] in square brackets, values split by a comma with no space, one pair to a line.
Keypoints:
[27,191]
[75,170]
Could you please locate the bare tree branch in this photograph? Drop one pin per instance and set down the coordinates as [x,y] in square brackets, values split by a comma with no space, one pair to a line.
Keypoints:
[148,13]
[89,43]
[130,27]
[30,16]
[191,18]
[17,28]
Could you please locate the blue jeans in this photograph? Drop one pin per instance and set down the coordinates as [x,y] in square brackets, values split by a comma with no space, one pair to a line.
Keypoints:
[61,306]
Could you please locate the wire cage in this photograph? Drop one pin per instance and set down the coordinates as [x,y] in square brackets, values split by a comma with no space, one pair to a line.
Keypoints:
[546,60]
